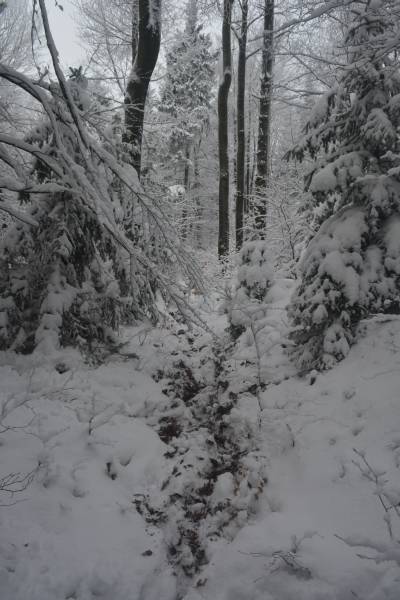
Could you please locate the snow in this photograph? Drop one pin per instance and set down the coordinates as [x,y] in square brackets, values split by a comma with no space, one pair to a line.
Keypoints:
[336,174]
[192,460]
[315,491]
[324,180]
[378,130]
[76,525]
[89,436]
[392,237]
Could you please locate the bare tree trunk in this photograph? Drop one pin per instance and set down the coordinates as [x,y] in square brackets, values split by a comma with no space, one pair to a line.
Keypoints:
[135,29]
[186,184]
[223,93]
[196,196]
[254,166]
[264,122]
[248,163]
[148,46]
[241,138]
[234,145]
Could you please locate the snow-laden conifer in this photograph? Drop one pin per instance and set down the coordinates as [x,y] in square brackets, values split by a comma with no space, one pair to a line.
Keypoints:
[254,279]
[188,86]
[350,268]
[186,98]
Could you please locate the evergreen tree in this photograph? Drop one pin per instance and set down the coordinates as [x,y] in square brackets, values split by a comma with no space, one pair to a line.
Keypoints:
[254,279]
[351,268]
[187,92]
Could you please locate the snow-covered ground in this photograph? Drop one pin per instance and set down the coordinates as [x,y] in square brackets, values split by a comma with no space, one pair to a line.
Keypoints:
[320,490]
[74,532]
[83,443]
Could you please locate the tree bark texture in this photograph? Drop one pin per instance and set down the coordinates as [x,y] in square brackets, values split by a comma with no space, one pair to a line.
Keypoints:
[241,138]
[223,93]
[186,185]
[264,121]
[249,171]
[196,196]
[148,46]
[135,29]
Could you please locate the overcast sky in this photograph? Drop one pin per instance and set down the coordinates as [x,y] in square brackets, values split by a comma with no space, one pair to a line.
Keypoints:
[65,33]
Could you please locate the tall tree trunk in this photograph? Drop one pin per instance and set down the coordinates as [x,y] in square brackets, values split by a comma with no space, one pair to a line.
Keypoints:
[254,166]
[135,29]
[241,138]
[186,185]
[234,145]
[264,122]
[223,93]
[196,196]
[248,161]
[148,46]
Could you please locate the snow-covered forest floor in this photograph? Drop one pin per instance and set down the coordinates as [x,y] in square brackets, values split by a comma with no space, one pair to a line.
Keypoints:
[171,472]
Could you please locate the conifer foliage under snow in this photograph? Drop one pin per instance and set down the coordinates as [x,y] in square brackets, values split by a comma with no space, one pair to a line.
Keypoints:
[255,277]
[69,271]
[352,266]
[187,91]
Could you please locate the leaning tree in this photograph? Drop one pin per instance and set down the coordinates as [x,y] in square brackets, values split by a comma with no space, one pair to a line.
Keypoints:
[69,273]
